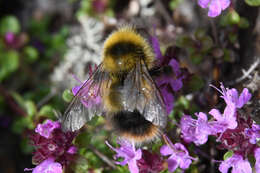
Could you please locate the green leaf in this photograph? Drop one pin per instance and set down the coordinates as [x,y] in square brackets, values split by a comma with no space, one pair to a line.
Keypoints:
[31,54]
[67,95]
[233,17]
[253,2]
[21,124]
[9,24]
[46,110]
[18,98]
[228,155]
[30,108]
[182,101]
[9,62]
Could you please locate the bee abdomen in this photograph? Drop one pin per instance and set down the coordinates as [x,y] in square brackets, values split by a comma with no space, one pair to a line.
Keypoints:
[133,126]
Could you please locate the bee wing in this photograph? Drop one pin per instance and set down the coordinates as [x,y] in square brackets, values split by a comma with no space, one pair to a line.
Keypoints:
[87,102]
[141,93]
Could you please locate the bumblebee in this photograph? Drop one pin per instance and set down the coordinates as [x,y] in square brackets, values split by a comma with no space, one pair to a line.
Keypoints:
[130,99]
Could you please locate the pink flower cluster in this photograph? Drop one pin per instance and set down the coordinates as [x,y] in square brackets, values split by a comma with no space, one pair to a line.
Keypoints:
[143,161]
[215,6]
[52,144]
[234,131]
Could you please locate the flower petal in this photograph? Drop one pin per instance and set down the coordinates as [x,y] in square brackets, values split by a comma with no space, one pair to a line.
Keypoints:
[224,4]
[172,165]
[244,97]
[176,84]
[257,158]
[133,168]
[242,166]
[185,163]
[223,167]
[216,114]
[203,3]
[214,8]
[166,150]
[168,99]
[156,48]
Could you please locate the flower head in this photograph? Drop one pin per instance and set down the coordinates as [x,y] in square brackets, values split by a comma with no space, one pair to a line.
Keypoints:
[47,166]
[215,6]
[129,153]
[231,96]
[196,131]
[150,162]
[238,164]
[169,82]
[236,139]
[179,156]
[172,76]
[46,129]
[56,145]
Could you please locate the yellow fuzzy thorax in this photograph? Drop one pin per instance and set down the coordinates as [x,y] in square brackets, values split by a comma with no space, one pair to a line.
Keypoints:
[129,35]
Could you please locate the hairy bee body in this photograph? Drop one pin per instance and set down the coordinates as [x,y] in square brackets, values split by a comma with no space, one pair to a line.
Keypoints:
[131,101]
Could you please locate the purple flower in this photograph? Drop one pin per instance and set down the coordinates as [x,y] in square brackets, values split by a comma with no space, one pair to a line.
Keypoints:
[170,82]
[72,150]
[236,139]
[9,37]
[150,162]
[128,152]
[173,78]
[215,6]
[90,93]
[156,48]
[224,121]
[46,129]
[168,98]
[238,164]
[257,160]
[253,133]
[179,156]
[231,96]
[193,130]
[47,166]
[52,143]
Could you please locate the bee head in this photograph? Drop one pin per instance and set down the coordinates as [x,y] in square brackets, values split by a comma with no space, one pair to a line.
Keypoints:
[123,49]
